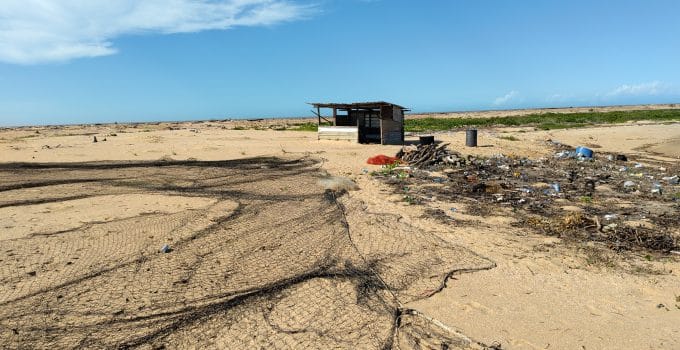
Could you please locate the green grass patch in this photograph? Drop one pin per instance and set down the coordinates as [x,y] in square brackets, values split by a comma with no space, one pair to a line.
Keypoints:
[586,199]
[553,126]
[545,121]
[305,127]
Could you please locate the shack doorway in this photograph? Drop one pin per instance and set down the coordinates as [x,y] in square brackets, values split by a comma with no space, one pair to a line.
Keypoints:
[369,126]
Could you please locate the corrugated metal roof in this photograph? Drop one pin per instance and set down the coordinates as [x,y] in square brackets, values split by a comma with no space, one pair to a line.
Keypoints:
[355,105]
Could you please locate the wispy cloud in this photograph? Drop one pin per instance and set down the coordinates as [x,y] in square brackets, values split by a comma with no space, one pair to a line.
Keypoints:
[37,31]
[643,89]
[506,98]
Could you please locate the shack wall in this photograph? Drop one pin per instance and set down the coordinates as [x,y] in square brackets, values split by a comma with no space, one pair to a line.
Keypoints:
[392,125]
[348,133]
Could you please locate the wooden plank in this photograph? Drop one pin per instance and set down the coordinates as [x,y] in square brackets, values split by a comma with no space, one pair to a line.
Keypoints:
[342,129]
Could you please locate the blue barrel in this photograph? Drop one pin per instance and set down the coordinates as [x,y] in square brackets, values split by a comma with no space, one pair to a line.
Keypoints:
[584,152]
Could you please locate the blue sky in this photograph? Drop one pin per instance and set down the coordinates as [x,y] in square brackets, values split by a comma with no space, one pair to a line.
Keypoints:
[75,61]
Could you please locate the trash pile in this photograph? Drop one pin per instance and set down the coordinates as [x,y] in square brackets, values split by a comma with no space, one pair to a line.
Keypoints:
[574,194]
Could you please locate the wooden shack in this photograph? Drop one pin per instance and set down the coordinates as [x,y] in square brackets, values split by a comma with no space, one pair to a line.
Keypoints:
[363,122]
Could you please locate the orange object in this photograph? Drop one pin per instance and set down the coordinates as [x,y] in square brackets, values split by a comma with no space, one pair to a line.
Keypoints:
[382,159]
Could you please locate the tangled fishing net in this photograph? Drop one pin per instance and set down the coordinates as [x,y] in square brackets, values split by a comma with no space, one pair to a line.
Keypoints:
[261,257]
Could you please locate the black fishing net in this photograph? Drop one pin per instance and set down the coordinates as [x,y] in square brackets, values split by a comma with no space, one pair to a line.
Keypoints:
[262,258]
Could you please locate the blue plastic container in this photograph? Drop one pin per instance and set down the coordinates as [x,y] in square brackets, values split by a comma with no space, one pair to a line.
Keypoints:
[584,152]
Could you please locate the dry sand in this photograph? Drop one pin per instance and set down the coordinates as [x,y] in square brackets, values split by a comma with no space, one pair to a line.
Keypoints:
[541,294]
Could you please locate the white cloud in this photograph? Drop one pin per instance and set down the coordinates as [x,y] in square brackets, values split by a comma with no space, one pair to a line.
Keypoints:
[506,98]
[644,89]
[37,31]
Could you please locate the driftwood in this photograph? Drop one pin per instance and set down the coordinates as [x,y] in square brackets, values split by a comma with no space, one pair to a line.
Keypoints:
[427,155]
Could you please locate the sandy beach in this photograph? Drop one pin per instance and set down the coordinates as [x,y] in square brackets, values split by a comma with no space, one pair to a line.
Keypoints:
[540,292]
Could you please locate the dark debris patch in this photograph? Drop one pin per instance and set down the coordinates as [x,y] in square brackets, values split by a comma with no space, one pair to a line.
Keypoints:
[602,204]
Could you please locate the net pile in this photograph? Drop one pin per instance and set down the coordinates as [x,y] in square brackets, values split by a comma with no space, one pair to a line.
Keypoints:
[267,261]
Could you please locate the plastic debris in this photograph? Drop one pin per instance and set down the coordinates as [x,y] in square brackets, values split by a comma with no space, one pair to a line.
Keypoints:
[639,166]
[584,152]
[438,180]
[673,180]
[610,217]
[564,155]
[166,249]
[656,188]
[555,187]
[628,184]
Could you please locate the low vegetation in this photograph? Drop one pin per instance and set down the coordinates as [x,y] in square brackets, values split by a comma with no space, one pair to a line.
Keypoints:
[304,127]
[545,121]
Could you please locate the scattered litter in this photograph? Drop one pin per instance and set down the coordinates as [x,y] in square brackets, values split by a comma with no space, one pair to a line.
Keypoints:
[639,166]
[564,155]
[166,249]
[656,188]
[453,210]
[621,157]
[610,227]
[537,190]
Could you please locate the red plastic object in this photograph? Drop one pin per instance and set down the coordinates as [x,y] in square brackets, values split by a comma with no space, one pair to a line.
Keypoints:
[382,159]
